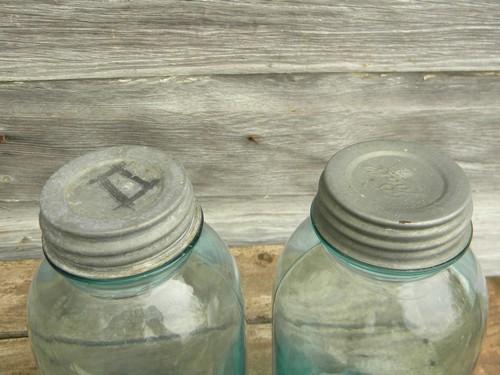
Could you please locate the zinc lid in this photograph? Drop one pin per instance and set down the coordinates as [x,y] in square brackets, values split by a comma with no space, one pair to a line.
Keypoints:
[395,205]
[118,212]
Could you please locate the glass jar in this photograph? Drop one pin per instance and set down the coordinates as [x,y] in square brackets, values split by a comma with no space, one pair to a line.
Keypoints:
[381,279]
[133,281]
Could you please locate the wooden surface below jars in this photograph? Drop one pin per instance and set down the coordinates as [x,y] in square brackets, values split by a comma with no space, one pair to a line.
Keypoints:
[257,265]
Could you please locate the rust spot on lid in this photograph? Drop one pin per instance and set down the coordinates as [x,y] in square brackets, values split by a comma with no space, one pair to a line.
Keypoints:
[404,222]
[3,138]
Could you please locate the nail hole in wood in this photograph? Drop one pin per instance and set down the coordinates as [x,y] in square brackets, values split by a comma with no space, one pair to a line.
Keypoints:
[253,139]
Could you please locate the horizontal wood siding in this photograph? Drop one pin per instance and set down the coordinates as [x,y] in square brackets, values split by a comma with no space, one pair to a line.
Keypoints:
[42,40]
[254,145]
[248,135]
[203,80]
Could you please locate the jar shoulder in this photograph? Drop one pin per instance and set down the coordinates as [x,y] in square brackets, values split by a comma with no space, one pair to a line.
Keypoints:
[202,293]
[319,288]
[302,240]
[323,311]
[213,250]
[304,256]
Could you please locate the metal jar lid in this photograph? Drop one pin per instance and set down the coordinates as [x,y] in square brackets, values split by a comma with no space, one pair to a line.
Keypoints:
[395,205]
[118,212]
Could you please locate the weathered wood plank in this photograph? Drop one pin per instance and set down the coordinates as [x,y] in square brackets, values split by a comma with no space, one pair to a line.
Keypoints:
[259,349]
[247,135]
[254,146]
[16,357]
[256,264]
[20,236]
[489,362]
[240,221]
[16,279]
[257,270]
[61,40]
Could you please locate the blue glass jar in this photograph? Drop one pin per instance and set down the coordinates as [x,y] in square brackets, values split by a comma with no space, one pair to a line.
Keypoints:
[132,285]
[381,279]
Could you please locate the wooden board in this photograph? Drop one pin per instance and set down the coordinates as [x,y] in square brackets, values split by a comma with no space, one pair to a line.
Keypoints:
[16,357]
[257,266]
[254,146]
[248,135]
[85,39]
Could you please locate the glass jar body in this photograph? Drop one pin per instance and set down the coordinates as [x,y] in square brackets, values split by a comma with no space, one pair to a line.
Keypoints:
[331,317]
[184,318]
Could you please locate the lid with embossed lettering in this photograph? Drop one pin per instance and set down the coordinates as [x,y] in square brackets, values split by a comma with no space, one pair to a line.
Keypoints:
[395,205]
[118,212]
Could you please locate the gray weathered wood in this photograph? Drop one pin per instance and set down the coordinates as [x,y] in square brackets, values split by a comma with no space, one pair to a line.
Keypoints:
[248,135]
[240,220]
[253,145]
[82,39]
[243,220]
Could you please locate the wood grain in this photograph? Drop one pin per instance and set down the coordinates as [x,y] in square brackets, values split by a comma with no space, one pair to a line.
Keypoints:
[489,362]
[257,266]
[259,349]
[16,280]
[254,146]
[87,39]
[16,357]
[239,220]
[247,135]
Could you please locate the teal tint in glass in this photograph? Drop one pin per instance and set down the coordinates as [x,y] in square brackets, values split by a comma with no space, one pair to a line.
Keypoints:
[333,316]
[132,286]
[185,317]
[380,287]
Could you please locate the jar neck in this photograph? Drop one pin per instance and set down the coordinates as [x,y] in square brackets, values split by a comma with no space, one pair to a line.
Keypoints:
[132,285]
[129,286]
[380,273]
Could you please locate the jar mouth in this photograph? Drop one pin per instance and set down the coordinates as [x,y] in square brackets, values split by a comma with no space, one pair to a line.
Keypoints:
[383,271]
[119,281]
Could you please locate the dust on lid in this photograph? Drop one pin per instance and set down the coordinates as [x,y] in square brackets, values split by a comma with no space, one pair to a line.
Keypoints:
[118,212]
[392,204]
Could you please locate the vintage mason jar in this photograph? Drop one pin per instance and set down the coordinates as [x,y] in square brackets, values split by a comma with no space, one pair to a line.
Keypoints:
[133,281]
[380,279]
